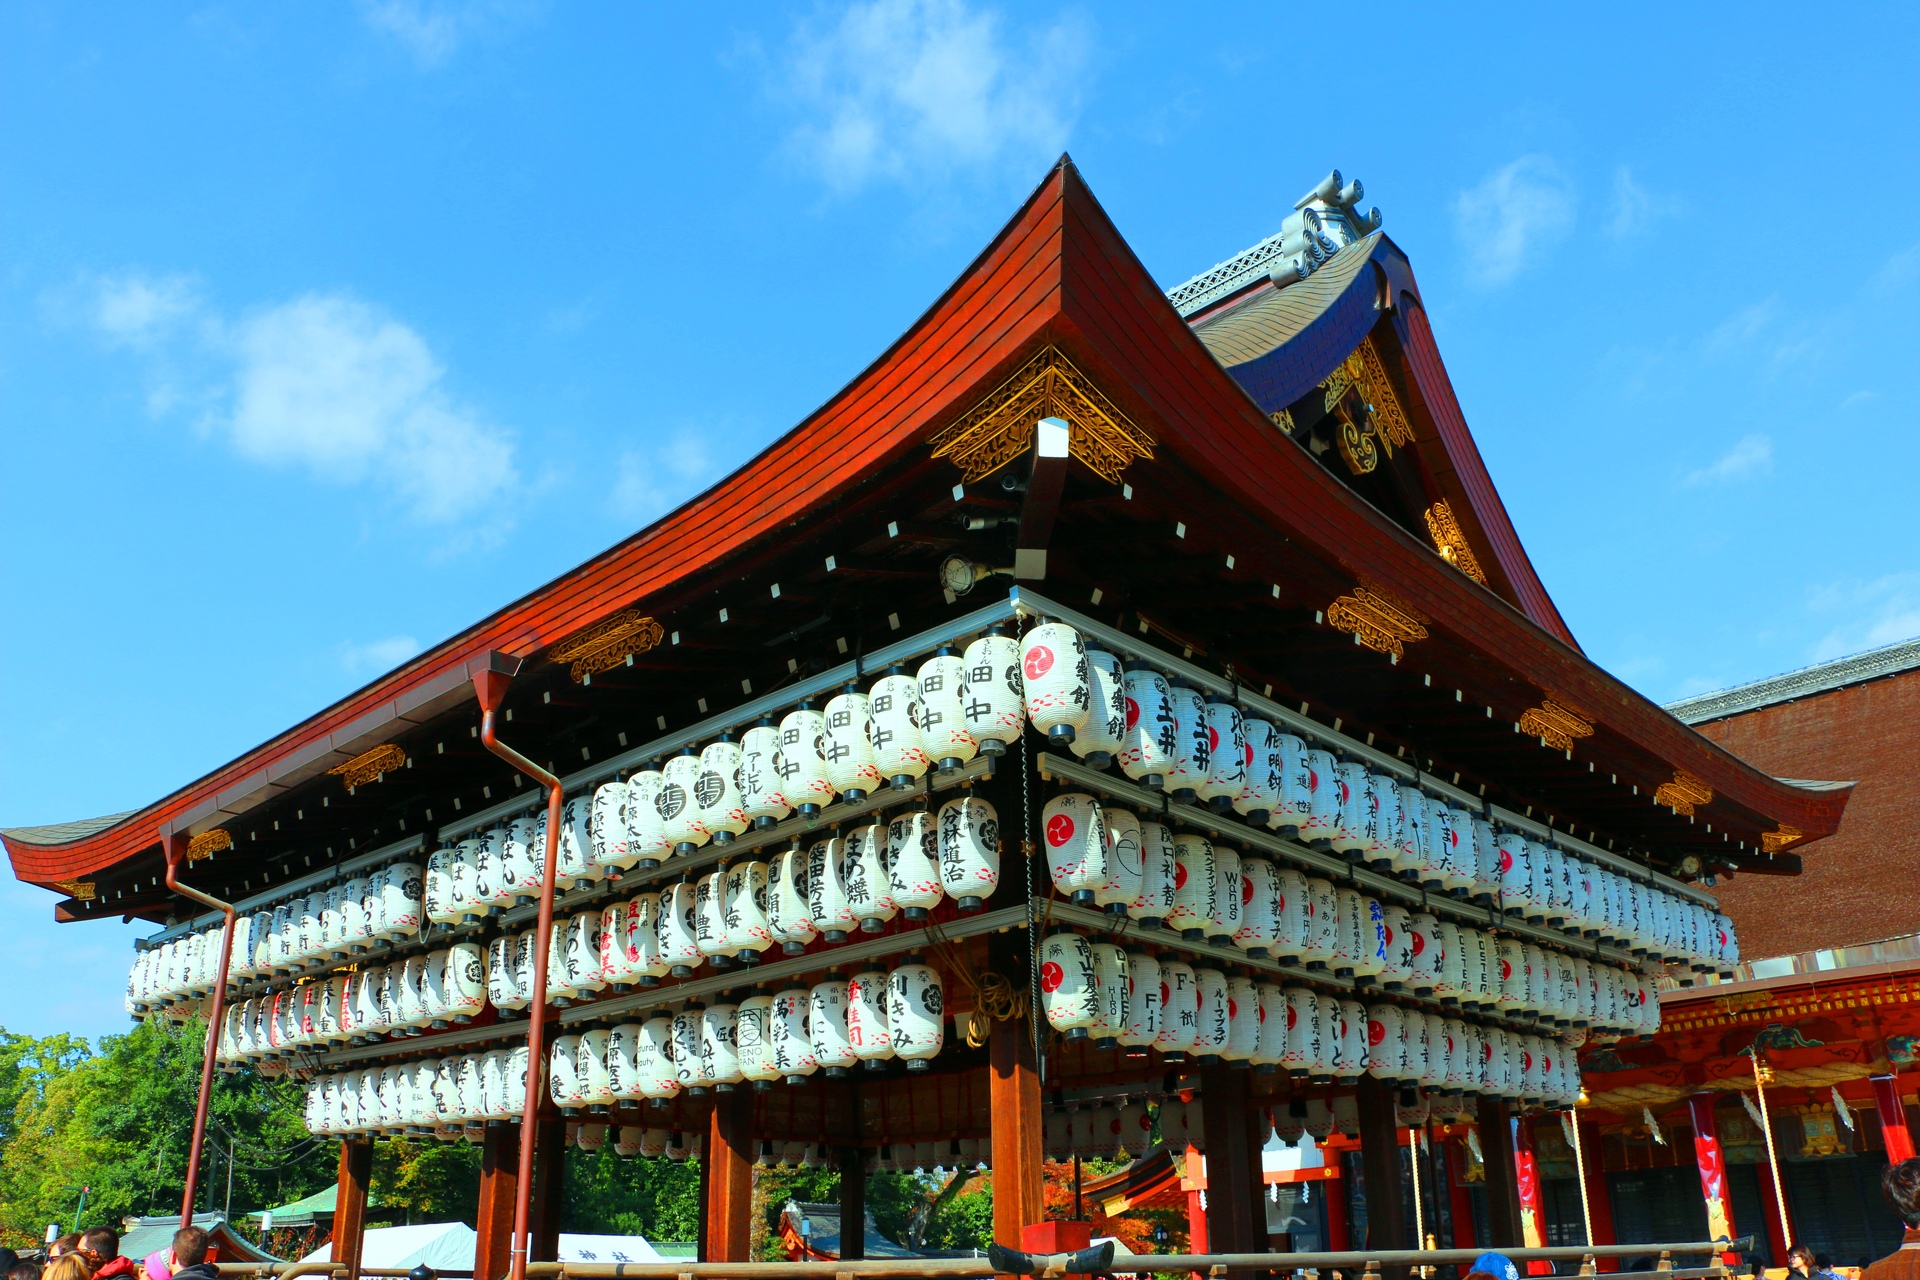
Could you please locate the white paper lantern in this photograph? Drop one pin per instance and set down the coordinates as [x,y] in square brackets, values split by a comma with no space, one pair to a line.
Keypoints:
[716,793]
[1055,680]
[827,1025]
[576,843]
[864,872]
[1423,953]
[1386,1042]
[1159,876]
[1270,1040]
[1380,817]
[710,918]
[1323,949]
[753,1037]
[867,1016]
[492,889]
[1192,753]
[1228,754]
[687,1061]
[1196,887]
[1291,924]
[609,830]
[1076,841]
[719,1047]
[679,935]
[563,1081]
[1152,734]
[994,697]
[647,841]
[1303,1030]
[1413,858]
[827,890]
[898,752]
[1243,1020]
[1514,867]
[787,913]
[659,1075]
[913,863]
[1319,775]
[1104,734]
[1136,1129]
[1227,896]
[1452,842]
[583,954]
[792,1044]
[1111,994]
[466,980]
[849,745]
[623,1061]
[679,811]
[1066,984]
[645,957]
[1143,1000]
[1260,793]
[1352,1033]
[745,908]
[916,1017]
[1125,870]
[1179,1010]
[591,1070]
[762,789]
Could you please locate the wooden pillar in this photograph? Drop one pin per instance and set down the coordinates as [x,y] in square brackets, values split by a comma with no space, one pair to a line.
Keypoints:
[1197,1241]
[1712,1163]
[1387,1226]
[1014,1094]
[728,1162]
[853,1203]
[1459,1203]
[493,1220]
[1233,1164]
[1599,1194]
[350,1203]
[1339,1237]
[549,1199]
[1503,1190]
[1526,1182]
[1894,1133]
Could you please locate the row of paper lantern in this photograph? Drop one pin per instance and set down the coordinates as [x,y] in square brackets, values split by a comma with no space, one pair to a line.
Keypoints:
[429,1095]
[630,1140]
[830,1027]
[425,992]
[1109,992]
[1104,855]
[1136,1000]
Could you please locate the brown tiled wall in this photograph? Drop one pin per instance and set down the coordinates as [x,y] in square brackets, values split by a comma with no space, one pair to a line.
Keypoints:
[1862,883]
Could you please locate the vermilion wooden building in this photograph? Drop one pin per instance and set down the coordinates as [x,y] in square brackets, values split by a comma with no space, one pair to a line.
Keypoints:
[1260,486]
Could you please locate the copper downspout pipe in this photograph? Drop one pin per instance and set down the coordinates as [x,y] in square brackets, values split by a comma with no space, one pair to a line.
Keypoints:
[174,844]
[490,685]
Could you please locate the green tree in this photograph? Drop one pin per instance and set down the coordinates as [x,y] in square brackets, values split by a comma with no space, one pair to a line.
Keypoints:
[655,1198]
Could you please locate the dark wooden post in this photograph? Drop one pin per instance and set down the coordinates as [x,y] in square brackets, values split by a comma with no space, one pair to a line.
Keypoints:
[1503,1181]
[729,1175]
[1380,1166]
[1233,1164]
[493,1221]
[549,1201]
[350,1203]
[1895,1135]
[853,1203]
[1015,1097]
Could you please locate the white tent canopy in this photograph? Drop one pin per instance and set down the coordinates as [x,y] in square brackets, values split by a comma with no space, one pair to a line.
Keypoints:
[449,1246]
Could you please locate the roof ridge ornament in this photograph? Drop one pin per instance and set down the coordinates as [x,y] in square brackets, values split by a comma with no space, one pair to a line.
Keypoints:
[1451,542]
[1324,221]
[999,427]
[607,643]
[1377,620]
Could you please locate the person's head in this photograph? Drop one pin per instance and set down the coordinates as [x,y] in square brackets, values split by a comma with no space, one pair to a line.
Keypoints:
[1901,1183]
[71,1265]
[8,1260]
[1497,1265]
[24,1271]
[1800,1258]
[63,1246]
[102,1242]
[189,1247]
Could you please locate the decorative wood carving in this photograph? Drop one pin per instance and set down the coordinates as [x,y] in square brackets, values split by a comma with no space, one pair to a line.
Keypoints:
[1555,724]
[1377,620]
[1000,428]
[1451,542]
[371,766]
[607,643]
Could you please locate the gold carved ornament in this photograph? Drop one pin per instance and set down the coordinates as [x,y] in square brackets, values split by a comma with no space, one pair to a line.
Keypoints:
[78,890]
[1377,620]
[1554,724]
[1684,793]
[1383,423]
[1775,841]
[607,643]
[371,766]
[1000,427]
[1451,542]
[208,843]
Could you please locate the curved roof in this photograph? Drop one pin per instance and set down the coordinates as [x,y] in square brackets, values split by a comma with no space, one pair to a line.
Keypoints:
[1060,274]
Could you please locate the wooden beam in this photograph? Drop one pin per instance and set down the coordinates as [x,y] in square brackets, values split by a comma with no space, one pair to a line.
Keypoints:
[853,1204]
[350,1204]
[1236,1216]
[1387,1226]
[493,1219]
[1503,1187]
[728,1169]
[1015,1096]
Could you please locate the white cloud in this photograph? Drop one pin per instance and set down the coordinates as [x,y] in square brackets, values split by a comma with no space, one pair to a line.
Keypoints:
[1901,269]
[136,308]
[338,386]
[325,382]
[433,30]
[1882,612]
[1752,456]
[1633,207]
[1744,325]
[1506,221]
[914,88]
[649,482]
[377,657]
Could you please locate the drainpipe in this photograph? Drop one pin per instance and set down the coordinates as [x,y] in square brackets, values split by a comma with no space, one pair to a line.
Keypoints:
[174,844]
[490,684]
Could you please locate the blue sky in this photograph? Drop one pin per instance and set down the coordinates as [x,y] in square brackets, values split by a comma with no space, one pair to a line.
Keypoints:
[327,329]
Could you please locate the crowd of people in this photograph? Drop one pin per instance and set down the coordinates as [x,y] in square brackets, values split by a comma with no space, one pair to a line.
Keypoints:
[94,1254]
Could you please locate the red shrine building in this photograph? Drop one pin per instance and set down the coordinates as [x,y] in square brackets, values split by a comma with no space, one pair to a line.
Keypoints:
[1120,721]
